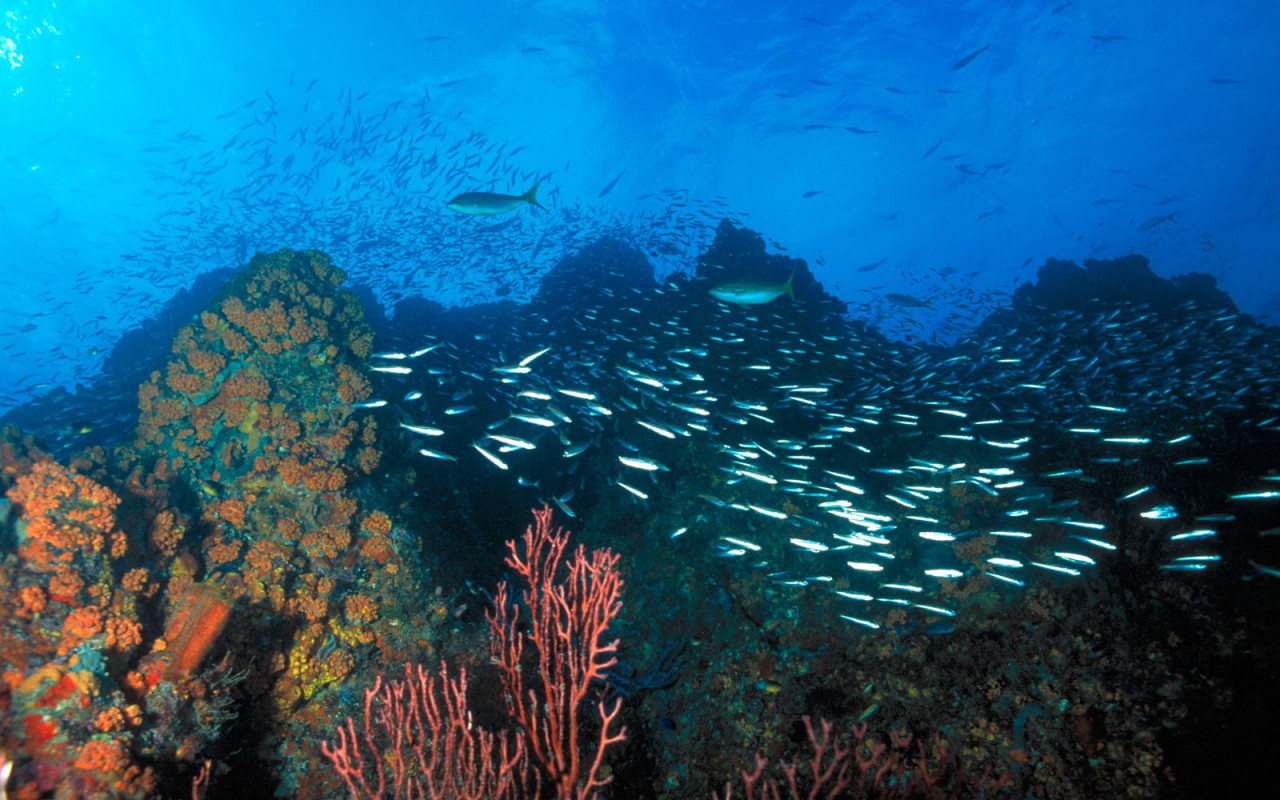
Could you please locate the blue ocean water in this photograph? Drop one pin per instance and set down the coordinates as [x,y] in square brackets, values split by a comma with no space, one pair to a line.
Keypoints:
[1083,130]
[919,472]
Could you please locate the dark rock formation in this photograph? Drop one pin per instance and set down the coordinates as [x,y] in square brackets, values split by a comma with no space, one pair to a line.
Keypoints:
[738,254]
[606,264]
[1062,285]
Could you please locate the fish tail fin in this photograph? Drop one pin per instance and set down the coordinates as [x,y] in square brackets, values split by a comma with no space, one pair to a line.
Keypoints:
[531,196]
[786,287]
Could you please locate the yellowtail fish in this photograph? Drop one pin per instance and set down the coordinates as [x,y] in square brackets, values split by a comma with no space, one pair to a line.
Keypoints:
[486,204]
[753,293]
[906,300]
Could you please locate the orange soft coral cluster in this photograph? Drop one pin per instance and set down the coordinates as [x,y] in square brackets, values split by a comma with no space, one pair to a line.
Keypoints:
[70,624]
[242,488]
[65,514]
[249,457]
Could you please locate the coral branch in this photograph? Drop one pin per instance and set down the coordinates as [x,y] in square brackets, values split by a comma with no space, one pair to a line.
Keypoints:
[419,743]
[885,771]
[569,619]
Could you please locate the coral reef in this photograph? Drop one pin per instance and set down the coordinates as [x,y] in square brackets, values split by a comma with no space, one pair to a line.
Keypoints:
[252,423]
[195,607]
[229,567]
[69,626]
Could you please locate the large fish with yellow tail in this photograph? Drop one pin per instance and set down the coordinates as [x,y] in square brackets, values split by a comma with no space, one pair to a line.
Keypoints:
[753,293]
[486,204]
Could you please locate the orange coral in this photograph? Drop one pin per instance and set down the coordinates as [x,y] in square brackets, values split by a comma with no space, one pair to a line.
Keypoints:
[232,510]
[118,544]
[360,609]
[379,548]
[247,383]
[312,607]
[136,580]
[274,458]
[207,362]
[168,410]
[264,558]
[290,470]
[65,586]
[31,601]
[221,551]
[341,510]
[100,593]
[326,542]
[319,478]
[234,310]
[105,756]
[290,529]
[148,392]
[287,430]
[203,419]
[80,624]
[360,342]
[183,382]
[110,720]
[338,665]
[352,386]
[269,327]
[369,458]
[123,634]
[232,452]
[341,440]
[65,513]
[300,331]
[167,531]
[111,771]
[234,341]
[377,522]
